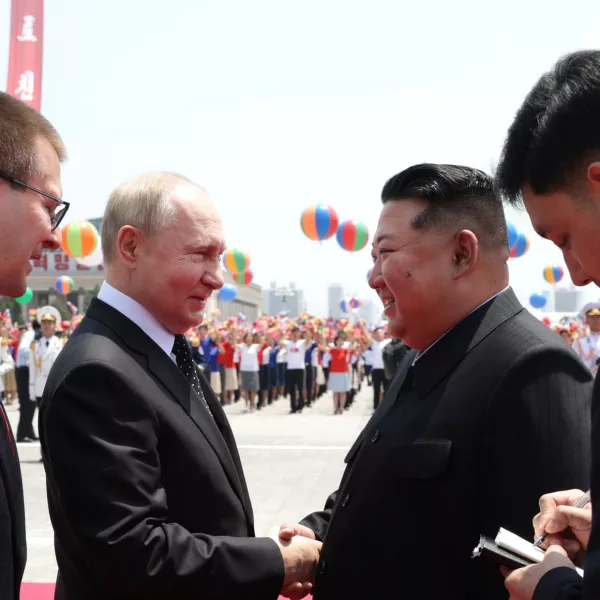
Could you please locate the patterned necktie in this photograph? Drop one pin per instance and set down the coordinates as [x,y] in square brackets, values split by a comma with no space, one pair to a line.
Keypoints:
[182,353]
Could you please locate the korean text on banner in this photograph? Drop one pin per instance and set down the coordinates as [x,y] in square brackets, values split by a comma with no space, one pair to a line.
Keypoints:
[26,51]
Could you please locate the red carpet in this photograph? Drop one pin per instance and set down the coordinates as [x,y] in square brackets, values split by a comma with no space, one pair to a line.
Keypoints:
[45,591]
[37,591]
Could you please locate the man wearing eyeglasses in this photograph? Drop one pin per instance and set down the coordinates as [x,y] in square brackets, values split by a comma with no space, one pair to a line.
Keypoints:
[30,212]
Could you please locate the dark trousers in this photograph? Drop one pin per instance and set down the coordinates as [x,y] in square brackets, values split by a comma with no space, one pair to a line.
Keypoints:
[379,385]
[263,379]
[26,406]
[368,374]
[236,394]
[272,374]
[222,374]
[310,383]
[295,384]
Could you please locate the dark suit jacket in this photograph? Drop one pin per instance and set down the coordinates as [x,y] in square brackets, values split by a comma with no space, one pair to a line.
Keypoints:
[146,491]
[13,547]
[499,415]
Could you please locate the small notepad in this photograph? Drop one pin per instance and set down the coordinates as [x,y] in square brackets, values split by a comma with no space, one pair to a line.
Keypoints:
[512,542]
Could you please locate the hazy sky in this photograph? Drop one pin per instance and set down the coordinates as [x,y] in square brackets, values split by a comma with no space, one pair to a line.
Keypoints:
[275,105]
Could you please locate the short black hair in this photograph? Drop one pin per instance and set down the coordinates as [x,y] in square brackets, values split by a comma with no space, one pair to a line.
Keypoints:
[556,129]
[456,196]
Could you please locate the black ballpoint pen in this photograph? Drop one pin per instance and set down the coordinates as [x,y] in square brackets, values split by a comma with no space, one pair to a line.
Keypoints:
[585,499]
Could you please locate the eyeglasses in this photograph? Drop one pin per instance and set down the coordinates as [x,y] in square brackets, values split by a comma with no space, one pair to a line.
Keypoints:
[62,206]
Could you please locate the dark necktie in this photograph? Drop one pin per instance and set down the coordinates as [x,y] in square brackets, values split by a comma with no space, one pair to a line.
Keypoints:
[182,353]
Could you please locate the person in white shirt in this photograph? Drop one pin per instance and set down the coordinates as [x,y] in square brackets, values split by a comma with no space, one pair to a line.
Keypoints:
[295,370]
[377,343]
[7,364]
[280,368]
[249,369]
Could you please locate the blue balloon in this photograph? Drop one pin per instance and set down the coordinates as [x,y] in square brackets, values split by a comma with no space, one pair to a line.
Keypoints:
[228,292]
[513,235]
[344,305]
[538,300]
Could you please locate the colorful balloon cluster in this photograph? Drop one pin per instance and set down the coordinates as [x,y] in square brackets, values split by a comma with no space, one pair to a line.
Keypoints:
[320,223]
[237,262]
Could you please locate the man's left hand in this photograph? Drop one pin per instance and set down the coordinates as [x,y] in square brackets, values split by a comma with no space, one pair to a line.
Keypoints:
[521,583]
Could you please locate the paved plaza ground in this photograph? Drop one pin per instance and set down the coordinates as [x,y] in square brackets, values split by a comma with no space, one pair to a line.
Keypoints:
[291,462]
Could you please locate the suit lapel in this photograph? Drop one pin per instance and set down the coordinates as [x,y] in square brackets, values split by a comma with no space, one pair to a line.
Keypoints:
[393,390]
[172,379]
[449,350]
[227,433]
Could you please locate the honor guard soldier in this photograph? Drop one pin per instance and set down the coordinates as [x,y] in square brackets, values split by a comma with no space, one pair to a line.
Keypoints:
[588,347]
[43,353]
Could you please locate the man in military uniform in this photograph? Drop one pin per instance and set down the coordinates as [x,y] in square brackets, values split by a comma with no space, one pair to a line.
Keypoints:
[43,353]
[588,347]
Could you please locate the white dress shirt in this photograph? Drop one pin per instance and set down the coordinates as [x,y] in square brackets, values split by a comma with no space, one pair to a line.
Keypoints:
[140,315]
[24,348]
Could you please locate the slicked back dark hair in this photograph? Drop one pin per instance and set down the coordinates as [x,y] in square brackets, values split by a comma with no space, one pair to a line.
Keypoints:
[457,197]
[555,131]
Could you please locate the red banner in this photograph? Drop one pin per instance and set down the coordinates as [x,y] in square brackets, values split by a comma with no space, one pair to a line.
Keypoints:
[26,51]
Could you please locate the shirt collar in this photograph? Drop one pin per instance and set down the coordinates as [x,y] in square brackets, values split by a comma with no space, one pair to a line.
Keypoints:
[140,315]
[419,354]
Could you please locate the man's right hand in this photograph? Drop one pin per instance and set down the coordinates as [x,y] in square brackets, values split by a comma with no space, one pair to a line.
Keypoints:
[300,559]
[565,525]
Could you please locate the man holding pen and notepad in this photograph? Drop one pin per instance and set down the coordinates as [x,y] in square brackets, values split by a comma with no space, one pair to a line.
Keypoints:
[551,162]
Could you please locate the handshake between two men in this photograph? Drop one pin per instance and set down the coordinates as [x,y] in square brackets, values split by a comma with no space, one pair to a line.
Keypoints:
[300,550]
[567,530]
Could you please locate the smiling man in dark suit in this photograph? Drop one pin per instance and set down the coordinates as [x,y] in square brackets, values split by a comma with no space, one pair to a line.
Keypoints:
[488,410]
[146,490]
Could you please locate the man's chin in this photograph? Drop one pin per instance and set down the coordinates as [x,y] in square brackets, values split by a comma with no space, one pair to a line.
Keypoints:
[395,329]
[13,289]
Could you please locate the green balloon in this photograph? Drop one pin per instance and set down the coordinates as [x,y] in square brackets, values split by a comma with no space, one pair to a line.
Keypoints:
[26,297]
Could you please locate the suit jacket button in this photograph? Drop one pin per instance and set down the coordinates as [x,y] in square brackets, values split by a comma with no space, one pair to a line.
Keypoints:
[322,566]
[346,500]
[375,437]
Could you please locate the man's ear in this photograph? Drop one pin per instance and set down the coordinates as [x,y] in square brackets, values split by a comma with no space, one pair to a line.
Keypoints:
[465,252]
[593,180]
[129,240]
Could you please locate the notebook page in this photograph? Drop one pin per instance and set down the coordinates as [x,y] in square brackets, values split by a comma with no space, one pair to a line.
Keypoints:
[512,542]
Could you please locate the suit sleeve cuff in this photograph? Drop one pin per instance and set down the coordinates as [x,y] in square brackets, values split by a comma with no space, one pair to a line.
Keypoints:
[562,582]
[268,569]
